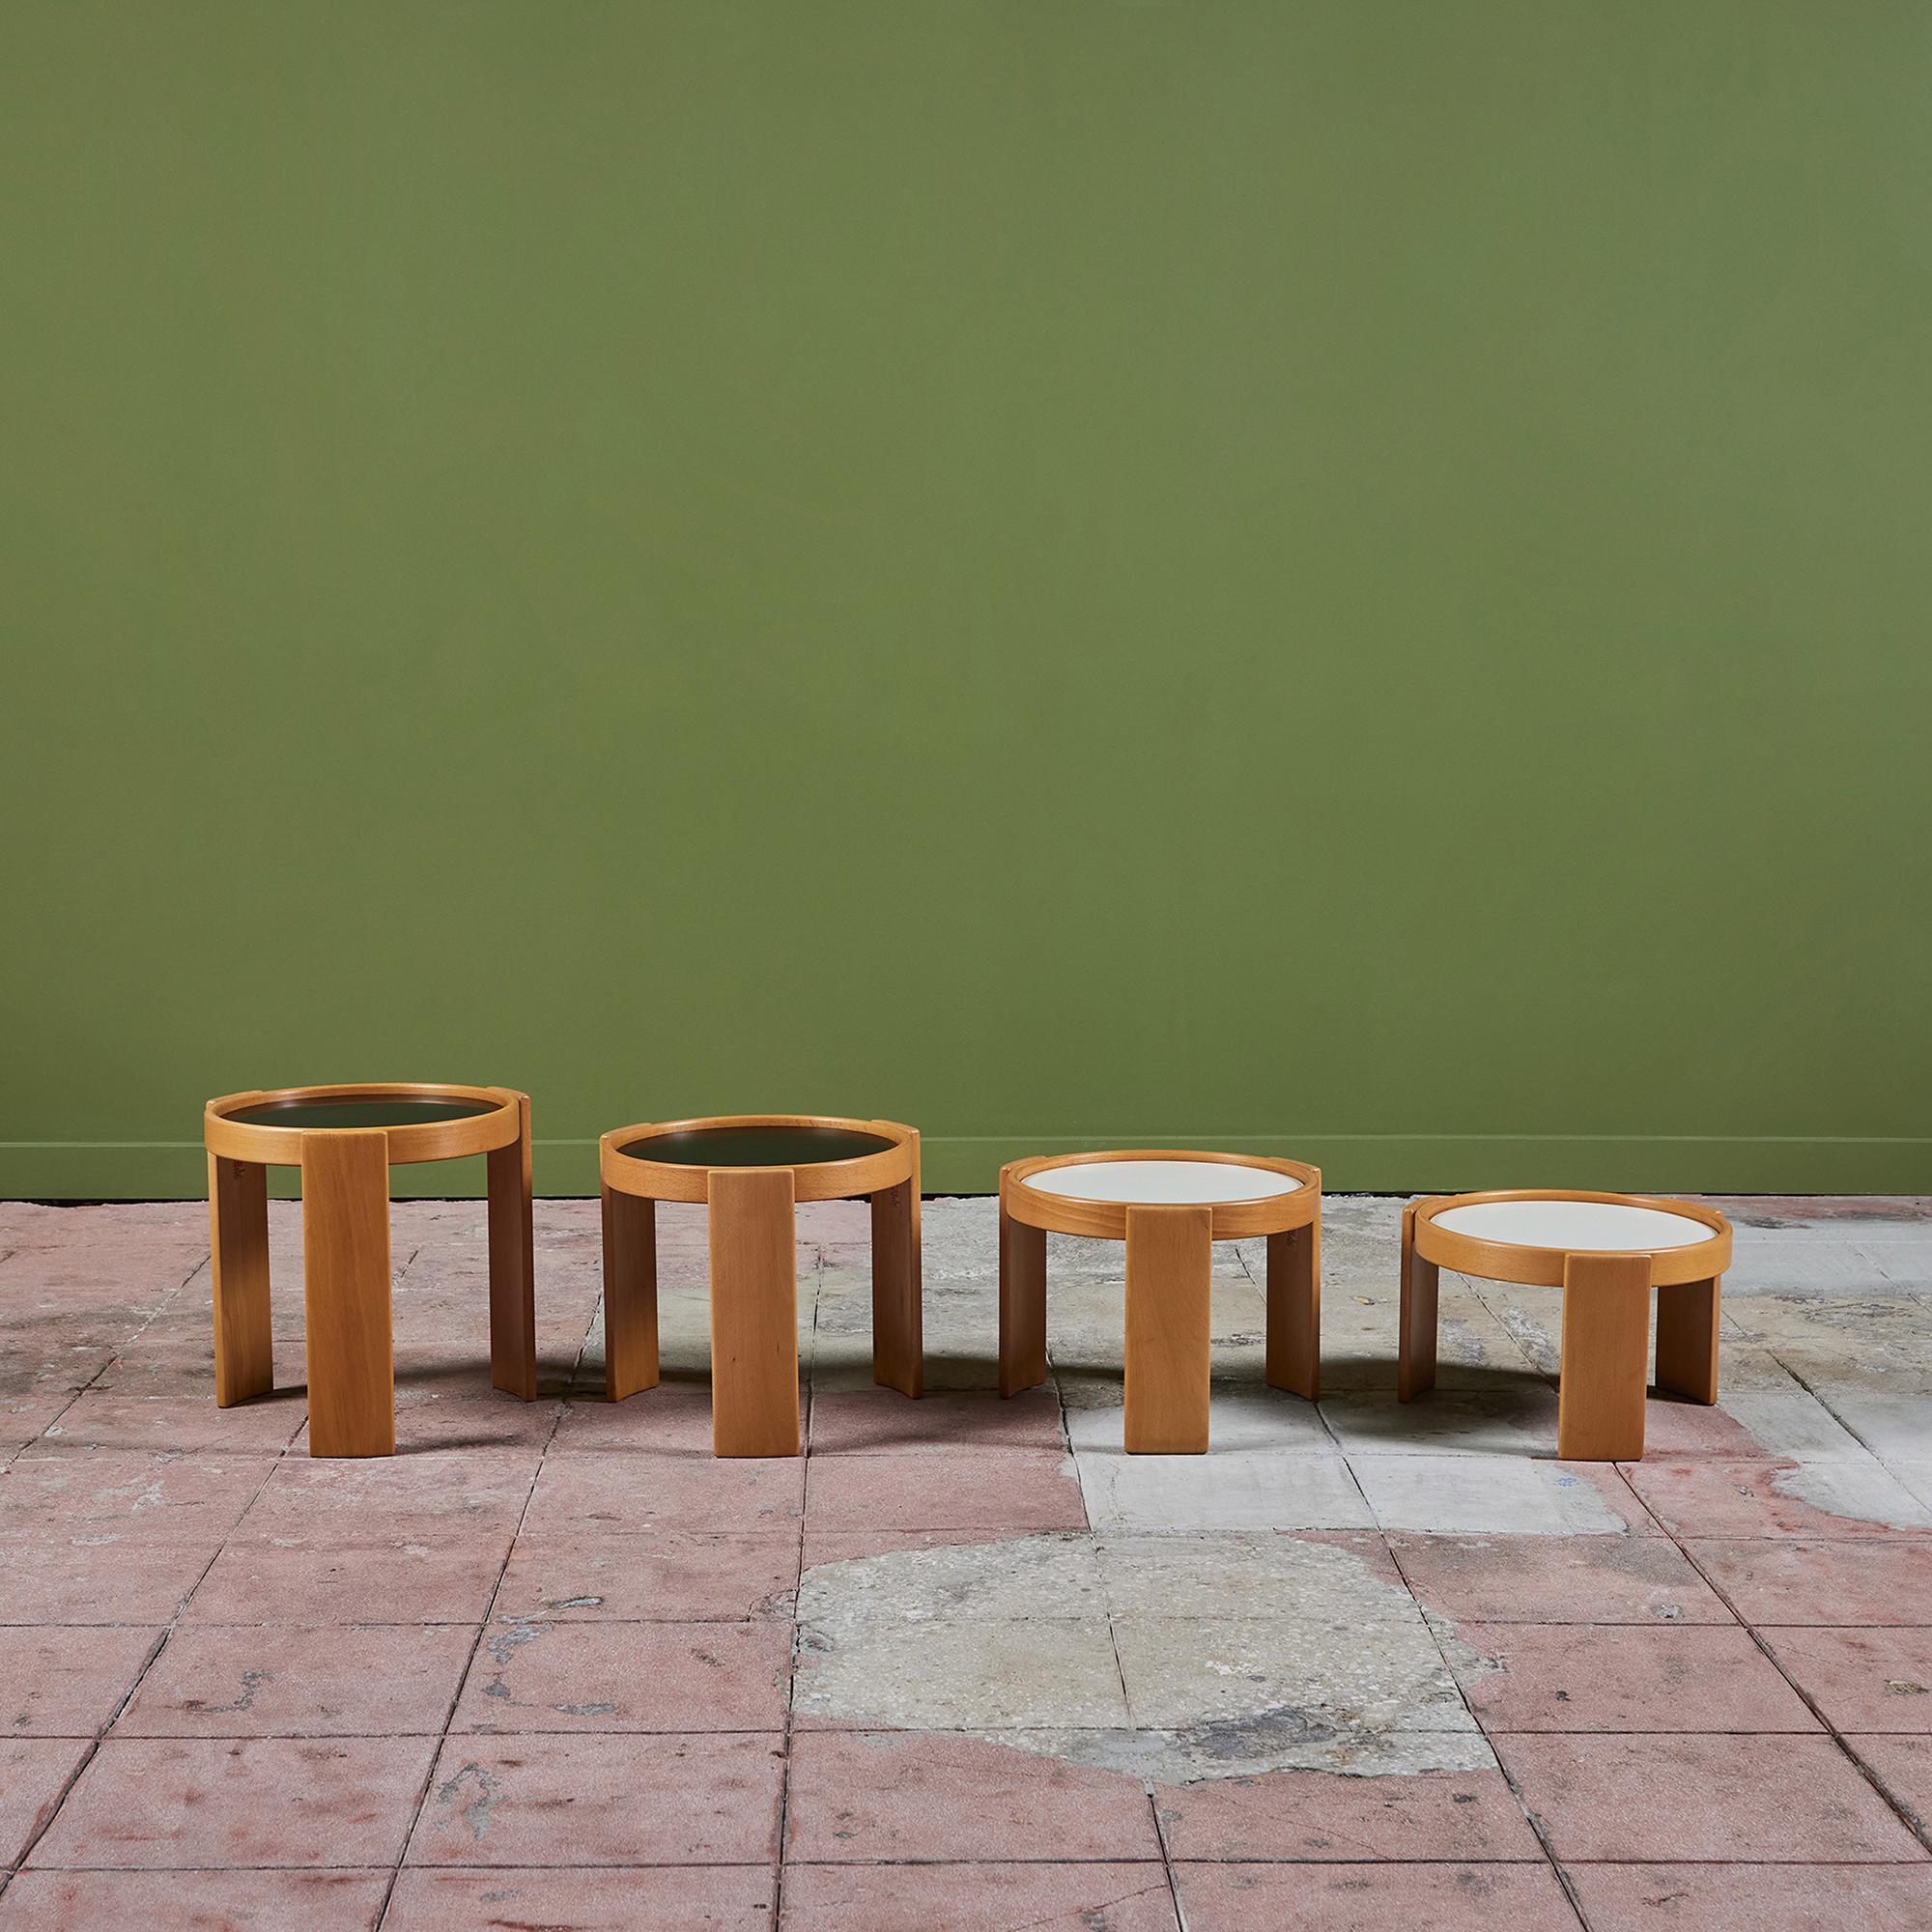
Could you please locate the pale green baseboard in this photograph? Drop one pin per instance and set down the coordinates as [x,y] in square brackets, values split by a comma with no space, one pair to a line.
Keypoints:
[1349,1163]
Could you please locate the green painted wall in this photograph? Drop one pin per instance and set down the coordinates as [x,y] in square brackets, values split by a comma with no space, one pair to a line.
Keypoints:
[1341,579]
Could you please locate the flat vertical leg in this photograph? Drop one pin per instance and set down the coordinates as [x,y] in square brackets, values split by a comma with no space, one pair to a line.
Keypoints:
[1022,1304]
[1295,1311]
[630,1294]
[238,1218]
[1605,1339]
[1170,1262]
[753,1312]
[352,1370]
[512,1304]
[897,1343]
[1415,1324]
[1687,1339]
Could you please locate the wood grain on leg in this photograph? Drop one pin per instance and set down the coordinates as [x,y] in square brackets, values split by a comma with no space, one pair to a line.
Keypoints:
[238,1215]
[1415,1324]
[1688,1316]
[753,1312]
[1295,1311]
[1170,1262]
[1605,1341]
[1022,1304]
[352,1378]
[513,1306]
[897,1317]
[630,1294]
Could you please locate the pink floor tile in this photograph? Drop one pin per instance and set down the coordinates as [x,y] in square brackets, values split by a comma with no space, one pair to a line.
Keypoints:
[1626,1677]
[158,1497]
[374,1498]
[1461,1815]
[978,1899]
[630,1800]
[110,1419]
[449,1579]
[475,1421]
[1674,1428]
[1754,1898]
[997,1490]
[23,1416]
[672,1576]
[673,1419]
[205,1802]
[1372,1898]
[1645,1799]
[281,1681]
[713,1899]
[887,1796]
[1713,1497]
[880,1421]
[48,1577]
[33,1774]
[1875,1581]
[194,1901]
[609,1493]
[1567,1580]
[1904,1766]
[628,1677]
[1862,1680]
[58,1683]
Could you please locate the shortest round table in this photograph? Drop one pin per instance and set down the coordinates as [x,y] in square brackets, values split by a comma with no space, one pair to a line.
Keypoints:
[1607,1252]
[750,1170]
[1169,1208]
[345,1140]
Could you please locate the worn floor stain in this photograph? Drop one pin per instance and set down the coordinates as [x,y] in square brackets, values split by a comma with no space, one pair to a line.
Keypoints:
[1174,1658]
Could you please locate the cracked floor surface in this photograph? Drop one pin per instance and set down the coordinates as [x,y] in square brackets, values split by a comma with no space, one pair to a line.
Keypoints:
[966,1664]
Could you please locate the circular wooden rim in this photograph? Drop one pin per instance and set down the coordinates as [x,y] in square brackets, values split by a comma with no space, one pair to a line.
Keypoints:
[1542,1267]
[1107,1220]
[811,1180]
[425,1140]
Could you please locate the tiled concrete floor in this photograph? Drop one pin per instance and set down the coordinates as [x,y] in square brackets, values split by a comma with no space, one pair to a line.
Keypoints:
[967,1665]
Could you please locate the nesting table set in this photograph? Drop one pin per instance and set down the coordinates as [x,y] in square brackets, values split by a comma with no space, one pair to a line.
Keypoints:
[1608,1253]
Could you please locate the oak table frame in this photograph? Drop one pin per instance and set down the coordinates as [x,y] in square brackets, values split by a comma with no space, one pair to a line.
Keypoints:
[1606,1297]
[754,1406]
[345,1192]
[1170,1262]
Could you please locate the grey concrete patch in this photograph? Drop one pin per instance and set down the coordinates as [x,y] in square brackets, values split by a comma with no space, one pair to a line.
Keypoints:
[1480,1496]
[1245,1415]
[1861,1490]
[1226,1489]
[1515,1419]
[1325,1663]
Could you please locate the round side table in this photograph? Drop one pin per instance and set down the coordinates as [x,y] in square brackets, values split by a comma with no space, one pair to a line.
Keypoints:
[1169,1208]
[345,1140]
[750,1170]
[1607,1252]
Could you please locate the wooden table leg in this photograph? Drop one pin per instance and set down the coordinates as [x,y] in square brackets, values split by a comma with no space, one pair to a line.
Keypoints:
[351,1371]
[753,1312]
[897,1317]
[630,1294]
[1295,1311]
[1415,1324]
[1022,1304]
[1687,1339]
[237,1216]
[1605,1342]
[1170,1265]
[513,1307]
